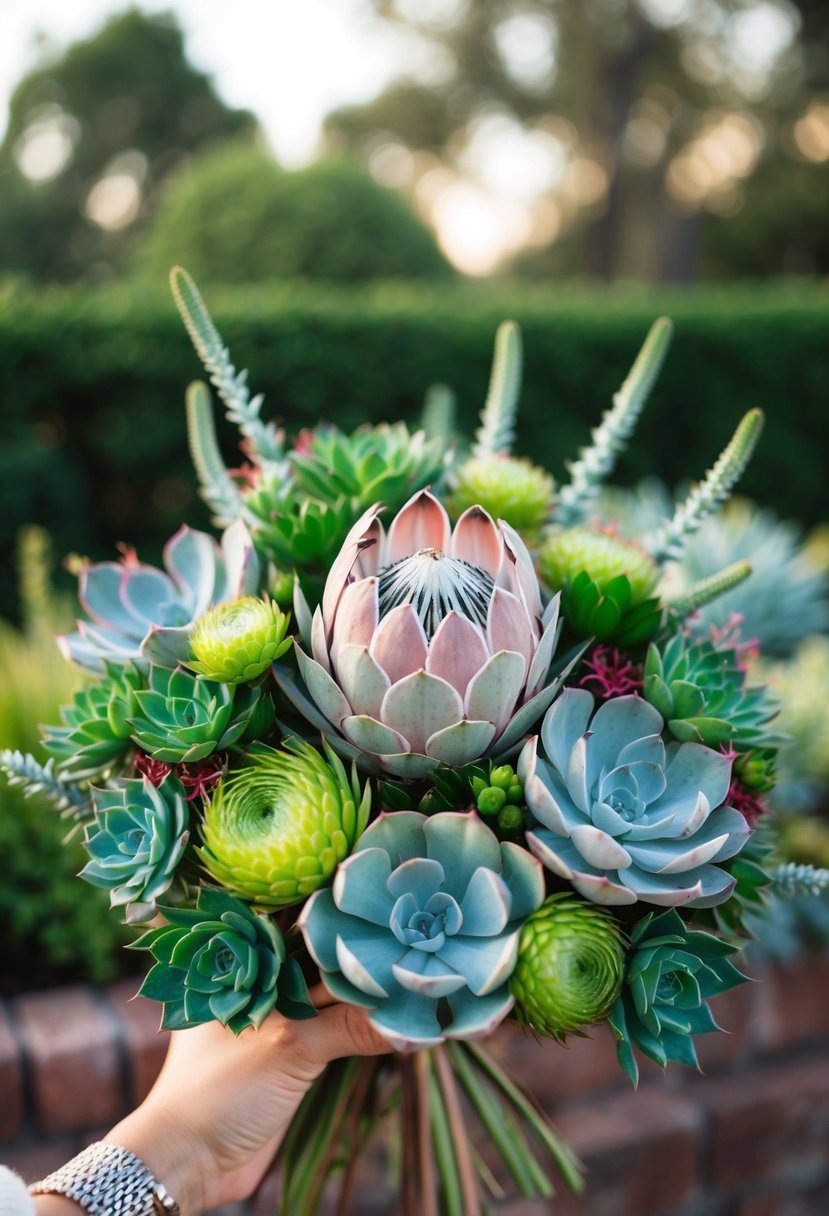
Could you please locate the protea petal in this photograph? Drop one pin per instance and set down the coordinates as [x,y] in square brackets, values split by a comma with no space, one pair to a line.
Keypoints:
[457,652]
[372,736]
[362,680]
[366,532]
[543,656]
[409,765]
[399,644]
[476,540]
[508,628]
[420,705]
[460,743]
[421,524]
[356,619]
[326,694]
[492,694]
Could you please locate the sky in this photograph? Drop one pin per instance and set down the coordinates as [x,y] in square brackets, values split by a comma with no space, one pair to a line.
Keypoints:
[289,62]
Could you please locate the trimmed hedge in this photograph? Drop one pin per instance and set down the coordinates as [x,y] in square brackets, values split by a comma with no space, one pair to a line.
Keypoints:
[93,441]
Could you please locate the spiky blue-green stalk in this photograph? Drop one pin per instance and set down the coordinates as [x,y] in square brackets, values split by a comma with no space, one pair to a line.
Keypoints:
[497,430]
[221,961]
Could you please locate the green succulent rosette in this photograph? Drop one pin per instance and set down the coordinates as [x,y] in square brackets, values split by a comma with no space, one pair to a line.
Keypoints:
[96,735]
[606,583]
[508,487]
[221,961]
[275,830]
[703,695]
[671,972]
[181,718]
[569,969]
[135,842]
[235,643]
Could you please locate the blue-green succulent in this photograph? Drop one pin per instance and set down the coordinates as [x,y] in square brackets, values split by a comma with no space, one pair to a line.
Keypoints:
[670,972]
[221,961]
[135,842]
[95,737]
[422,925]
[623,817]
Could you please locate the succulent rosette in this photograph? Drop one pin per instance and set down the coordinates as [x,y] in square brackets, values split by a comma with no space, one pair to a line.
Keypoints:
[508,487]
[136,840]
[671,971]
[623,817]
[570,966]
[221,961]
[139,613]
[96,735]
[422,924]
[236,642]
[430,645]
[275,830]
[181,718]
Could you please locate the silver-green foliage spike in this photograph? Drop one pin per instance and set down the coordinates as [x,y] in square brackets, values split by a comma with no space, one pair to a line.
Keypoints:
[709,589]
[712,491]
[217,486]
[32,777]
[438,418]
[792,879]
[497,430]
[265,439]
[610,437]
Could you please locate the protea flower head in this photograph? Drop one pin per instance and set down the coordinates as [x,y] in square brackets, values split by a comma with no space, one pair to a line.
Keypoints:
[275,830]
[569,969]
[430,645]
[508,487]
[621,816]
[136,840]
[95,737]
[702,692]
[421,926]
[221,961]
[182,718]
[236,642]
[670,972]
[143,614]
[607,584]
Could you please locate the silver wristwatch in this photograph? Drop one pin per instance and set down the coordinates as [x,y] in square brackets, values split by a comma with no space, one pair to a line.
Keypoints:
[108,1180]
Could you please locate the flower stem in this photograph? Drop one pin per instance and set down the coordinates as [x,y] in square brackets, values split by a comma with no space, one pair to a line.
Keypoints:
[466,1169]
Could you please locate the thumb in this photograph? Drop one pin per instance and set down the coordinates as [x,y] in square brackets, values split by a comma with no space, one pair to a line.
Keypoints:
[345,1030]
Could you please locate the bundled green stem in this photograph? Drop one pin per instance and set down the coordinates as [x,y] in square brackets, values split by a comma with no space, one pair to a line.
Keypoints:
[497,430]
[218,489]
[709,589]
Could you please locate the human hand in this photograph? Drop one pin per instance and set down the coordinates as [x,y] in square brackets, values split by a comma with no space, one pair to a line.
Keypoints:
[222,1103]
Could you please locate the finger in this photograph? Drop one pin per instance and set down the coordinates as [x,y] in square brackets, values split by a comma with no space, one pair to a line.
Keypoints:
[345,1030]
[321,998]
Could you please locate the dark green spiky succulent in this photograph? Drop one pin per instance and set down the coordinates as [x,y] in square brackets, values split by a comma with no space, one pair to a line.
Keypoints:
[671,972]
[275,830]
[702,693]
[236,642]
[384,463]
[95,736]
[292,528]
[221,961]
[182,718]
[570,966]
[606,585]
[757,770]
[135,842]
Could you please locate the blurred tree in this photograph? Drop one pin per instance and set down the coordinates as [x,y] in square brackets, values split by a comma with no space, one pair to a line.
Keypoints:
[655,115]
[233,216]
[90,135]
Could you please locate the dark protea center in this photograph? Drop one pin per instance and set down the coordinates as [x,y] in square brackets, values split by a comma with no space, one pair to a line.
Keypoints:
[435,585]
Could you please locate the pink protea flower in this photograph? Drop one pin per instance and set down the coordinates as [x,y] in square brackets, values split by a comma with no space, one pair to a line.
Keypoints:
[430,644]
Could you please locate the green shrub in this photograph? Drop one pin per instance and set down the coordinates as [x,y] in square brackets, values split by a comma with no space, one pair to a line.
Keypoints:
[56,929]
[93,439]
[233,216]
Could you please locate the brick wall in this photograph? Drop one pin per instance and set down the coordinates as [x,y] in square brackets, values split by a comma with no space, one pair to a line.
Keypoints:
[749,1138]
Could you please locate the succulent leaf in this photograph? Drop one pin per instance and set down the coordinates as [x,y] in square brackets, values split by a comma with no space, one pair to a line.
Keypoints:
[236,642]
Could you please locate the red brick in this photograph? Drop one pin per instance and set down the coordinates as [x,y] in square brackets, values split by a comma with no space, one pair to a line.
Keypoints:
[734,1011]
[556,1073]
[146,1045]
[641,1151]
[74,1057]
[792,1005]
[770,1123]
[786,1201]
[11,1080]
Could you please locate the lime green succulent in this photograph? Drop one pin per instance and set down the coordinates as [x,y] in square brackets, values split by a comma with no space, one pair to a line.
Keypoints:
[220,961]
[507,487]
[236,642]
[702,692]
[570,967]
[182,718]
[275,830]
[671,971]
[95,737]
[607,585]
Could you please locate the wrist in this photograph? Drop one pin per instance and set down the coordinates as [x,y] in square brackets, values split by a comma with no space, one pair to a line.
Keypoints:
[166,1154]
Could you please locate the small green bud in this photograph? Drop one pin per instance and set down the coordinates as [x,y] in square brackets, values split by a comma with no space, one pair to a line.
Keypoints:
[478,786]
[515,794]
[491,800]
[282,587]
[503,777]
[511,820]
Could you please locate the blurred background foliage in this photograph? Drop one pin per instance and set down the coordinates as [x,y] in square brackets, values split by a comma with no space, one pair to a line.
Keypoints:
[549,148]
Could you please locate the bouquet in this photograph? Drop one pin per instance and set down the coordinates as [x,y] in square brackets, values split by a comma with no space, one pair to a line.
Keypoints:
[418,728]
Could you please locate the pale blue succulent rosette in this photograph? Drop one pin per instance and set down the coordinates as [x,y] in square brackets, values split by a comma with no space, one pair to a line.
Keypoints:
[421,926]
[623,817]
